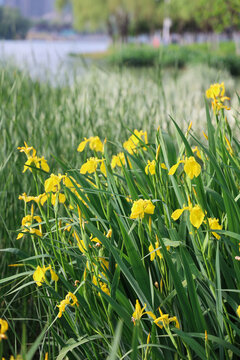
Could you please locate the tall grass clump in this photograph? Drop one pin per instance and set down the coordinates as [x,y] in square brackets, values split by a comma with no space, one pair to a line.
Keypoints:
[133,255]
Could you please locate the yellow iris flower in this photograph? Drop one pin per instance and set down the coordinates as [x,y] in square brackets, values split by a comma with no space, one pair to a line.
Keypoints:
[90,166]
[155,251]
[164,320]
[27,222]
[94,144]
[216,92]
[196,214]
[238,311]
[42,198]
[140,208]
[39,163]
[139,312]
[214,225]
[3,329]
[103,285]
[33,160]
[191,167]
[52,184]
[133,142]
[151,167]
[118,160]
[67,301]
[27,149]
[39,274]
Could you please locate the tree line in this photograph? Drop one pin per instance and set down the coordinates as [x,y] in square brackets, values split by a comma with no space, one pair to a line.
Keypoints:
[12,24]
[123,17]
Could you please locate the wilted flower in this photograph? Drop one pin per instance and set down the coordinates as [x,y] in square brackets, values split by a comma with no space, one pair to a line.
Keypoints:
[229,146]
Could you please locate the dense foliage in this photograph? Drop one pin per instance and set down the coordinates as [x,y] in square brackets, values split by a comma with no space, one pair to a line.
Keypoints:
[120,17]
[176,56]
[130,247]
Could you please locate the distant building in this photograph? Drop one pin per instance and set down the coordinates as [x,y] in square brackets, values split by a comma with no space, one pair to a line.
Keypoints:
[31,8]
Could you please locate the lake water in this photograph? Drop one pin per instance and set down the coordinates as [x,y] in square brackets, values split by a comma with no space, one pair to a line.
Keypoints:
[49,59]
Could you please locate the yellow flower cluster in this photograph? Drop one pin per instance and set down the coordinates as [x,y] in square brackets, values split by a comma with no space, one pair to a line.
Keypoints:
[52,191]
[151,167]
[39,274]
[33,160]
[163,321]
[197,217]
[67,301]
[102,284]
[216,92]
[97,263]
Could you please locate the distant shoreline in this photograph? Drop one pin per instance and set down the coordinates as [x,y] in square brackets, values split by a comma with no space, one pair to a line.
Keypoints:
[45,36]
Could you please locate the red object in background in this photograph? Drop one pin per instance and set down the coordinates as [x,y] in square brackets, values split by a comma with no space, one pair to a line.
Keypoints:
[156,42]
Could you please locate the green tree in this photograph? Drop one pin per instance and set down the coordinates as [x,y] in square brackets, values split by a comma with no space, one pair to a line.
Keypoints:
[113,14]
[12,24]
[214,15]
[218,15]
